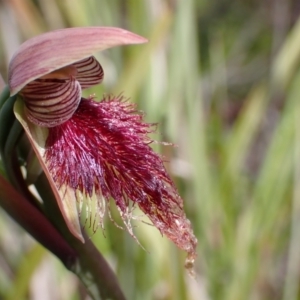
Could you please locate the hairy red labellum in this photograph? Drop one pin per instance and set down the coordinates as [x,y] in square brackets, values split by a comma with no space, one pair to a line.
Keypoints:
[103,149]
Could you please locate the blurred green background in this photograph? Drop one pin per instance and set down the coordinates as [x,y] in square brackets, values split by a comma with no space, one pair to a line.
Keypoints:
[222,79]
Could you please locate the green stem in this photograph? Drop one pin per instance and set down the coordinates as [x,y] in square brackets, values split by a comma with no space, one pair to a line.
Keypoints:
[7,118]
[9,157]
[10,133]
[5,94]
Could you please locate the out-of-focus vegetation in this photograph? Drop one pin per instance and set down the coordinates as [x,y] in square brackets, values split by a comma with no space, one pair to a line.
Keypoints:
[222,80]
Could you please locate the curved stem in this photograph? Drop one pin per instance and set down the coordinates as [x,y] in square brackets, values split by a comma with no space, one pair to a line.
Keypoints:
[4,94]
[7,118]
[34,222]
[9,158]
[10,133]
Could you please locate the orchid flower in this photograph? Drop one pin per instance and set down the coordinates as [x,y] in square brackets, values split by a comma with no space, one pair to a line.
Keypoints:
[92,151]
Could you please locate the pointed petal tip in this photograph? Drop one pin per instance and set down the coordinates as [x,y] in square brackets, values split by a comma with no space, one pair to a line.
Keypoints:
[77,235]
[53,50]
[139,40]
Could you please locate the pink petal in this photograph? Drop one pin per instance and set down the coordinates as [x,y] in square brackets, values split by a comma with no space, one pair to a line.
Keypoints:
[89,72]
[50,102]
[53,50]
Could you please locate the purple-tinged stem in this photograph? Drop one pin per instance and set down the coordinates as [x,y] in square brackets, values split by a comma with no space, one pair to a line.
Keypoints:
[34,222]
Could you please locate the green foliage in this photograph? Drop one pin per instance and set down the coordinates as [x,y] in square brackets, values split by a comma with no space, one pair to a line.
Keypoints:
[222,80]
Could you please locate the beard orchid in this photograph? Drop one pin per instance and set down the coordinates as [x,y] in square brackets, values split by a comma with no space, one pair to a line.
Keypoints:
[92,151]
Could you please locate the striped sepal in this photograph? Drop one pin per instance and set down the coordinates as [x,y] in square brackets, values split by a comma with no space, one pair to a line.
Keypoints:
[50,102]
[89,71]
